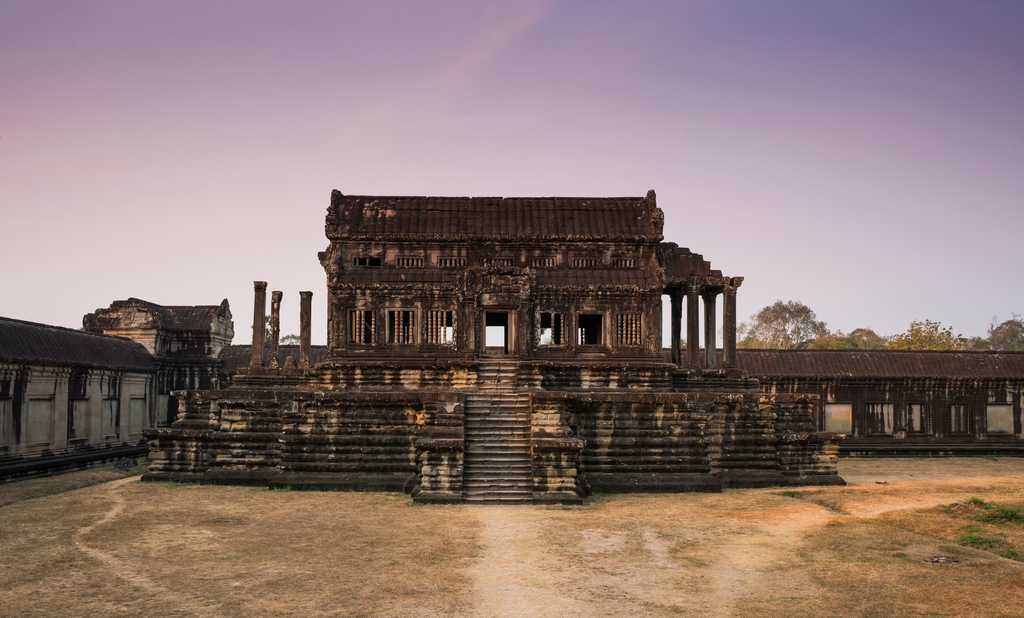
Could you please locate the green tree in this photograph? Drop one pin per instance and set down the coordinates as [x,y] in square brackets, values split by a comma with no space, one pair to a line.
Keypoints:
[858,339]
[928,335]
[1008,335]
[784,325]
[831,341]
[290,340]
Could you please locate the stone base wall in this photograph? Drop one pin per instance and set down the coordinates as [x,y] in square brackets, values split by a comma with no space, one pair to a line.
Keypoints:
[556,451]
[805,457]
[604,440]
[642,442]
[743,437]
[440,455]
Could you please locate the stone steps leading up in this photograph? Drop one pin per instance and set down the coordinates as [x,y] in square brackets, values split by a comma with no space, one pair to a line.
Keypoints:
[497,464]
[497,376]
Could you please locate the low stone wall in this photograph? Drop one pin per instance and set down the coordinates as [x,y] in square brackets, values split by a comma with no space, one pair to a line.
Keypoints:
[805,457]
[556,452]
[605,441]
[440,455]
[642,442]
[295,439]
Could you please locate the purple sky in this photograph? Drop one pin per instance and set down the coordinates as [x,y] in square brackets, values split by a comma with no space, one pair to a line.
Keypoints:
[865,158]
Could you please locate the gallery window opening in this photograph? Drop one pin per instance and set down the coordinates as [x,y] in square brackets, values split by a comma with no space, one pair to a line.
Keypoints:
[589,329]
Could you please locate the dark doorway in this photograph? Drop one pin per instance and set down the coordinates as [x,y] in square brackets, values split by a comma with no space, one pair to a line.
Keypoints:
[589,329]
[496,332]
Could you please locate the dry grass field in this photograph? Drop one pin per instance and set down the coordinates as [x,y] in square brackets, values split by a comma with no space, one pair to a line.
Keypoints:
[937,538]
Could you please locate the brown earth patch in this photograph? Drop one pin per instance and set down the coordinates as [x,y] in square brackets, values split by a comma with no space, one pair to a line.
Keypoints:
[128,548]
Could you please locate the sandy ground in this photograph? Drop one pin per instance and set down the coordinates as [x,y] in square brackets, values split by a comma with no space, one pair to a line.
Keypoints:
[124,548]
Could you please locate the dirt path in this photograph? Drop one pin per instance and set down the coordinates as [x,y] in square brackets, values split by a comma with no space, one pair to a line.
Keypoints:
[124,569]
[611,570]
[700,555]
[511,578]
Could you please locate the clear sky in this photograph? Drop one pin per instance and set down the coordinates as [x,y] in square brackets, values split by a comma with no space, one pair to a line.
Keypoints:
[865,158]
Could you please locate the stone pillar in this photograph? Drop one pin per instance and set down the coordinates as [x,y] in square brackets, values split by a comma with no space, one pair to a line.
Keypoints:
[676,297]
[729,324]
[305,322]
[693,326]
[710,330]
[275,326]
[259,325]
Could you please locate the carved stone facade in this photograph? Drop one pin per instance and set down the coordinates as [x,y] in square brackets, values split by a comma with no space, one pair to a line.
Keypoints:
[498,349]
[185,342]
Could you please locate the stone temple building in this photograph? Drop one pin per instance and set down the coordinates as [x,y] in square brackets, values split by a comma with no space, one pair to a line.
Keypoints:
[71,398]
[499,349]
[505,347]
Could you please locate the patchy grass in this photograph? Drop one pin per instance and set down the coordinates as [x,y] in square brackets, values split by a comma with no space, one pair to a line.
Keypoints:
[790,493]
[995,513]
[973,522]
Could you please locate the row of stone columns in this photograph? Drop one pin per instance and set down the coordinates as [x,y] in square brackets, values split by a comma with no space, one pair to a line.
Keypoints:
[259,331]
[695,292]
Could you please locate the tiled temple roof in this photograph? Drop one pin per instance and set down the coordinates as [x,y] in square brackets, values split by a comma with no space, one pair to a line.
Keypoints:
[880,364]
[40,344]
[461,218]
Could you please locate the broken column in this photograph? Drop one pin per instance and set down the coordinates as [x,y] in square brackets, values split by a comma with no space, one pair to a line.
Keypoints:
[305,322]
[275,326]
[259,324]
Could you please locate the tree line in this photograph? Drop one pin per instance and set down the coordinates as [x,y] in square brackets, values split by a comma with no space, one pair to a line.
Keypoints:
[793,325]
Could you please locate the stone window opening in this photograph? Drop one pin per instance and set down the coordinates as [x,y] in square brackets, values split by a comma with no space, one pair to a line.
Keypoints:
[624,262]
[441,328]
[451,262]
[839,417]
[40,421]
[78,406]
[362,327]
[6,430]
[880,418]
[584,262]
[136,414]
[999,418]
[499,262]
[542,262]
[919,418]
[551,329]
[402,326]
[589,329]
[409,262]
[627,329]
[111,418]
[364,260]
[961,419]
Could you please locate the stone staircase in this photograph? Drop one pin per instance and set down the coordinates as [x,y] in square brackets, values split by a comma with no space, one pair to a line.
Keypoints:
[497,376]
[497,464]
